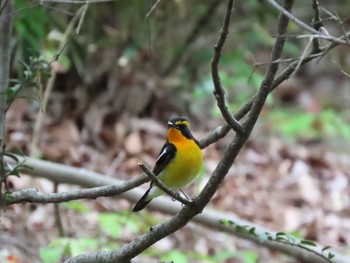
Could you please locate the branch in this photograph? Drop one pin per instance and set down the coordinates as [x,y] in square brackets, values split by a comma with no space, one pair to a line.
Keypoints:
[162,186]
[223,130]
[219,92]
[300,23]
[6,8]
[317,22]
[150,12]
[33,196]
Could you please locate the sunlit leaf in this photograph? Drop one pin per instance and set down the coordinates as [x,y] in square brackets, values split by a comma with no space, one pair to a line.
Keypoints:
[308,243]
[110,224]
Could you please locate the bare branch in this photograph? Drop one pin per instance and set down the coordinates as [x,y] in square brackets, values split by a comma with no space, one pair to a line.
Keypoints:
[219,92]
[150,12]
[33,196]
[305,53]
[163,187]
[6,8]
[305,26]
[270,75]
[317,22]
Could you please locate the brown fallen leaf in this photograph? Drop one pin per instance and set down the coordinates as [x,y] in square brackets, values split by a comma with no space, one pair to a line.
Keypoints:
[308,186]
[133,144]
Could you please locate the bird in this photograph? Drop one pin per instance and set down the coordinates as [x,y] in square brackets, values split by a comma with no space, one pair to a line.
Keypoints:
[178,163]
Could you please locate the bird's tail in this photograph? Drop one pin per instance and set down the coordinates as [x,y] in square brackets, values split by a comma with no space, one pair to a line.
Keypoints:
[141,204]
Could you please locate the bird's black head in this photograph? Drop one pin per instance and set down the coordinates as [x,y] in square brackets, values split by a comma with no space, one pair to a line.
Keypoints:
[181,124]
[178,123]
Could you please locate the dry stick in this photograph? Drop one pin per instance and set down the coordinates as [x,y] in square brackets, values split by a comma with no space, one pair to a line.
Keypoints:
[219,92]
[58,219]
[150,12]
[162,186]
[304,54]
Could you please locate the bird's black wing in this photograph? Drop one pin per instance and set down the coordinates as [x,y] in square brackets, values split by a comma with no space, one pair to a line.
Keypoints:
[166,155]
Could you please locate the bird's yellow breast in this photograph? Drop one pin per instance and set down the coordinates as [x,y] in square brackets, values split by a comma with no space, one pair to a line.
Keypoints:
[187,162]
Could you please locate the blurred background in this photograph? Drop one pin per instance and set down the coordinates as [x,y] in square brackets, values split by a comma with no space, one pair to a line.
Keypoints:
[112,86]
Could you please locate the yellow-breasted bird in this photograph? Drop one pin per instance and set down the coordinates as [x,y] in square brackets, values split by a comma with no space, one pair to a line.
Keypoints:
[178,163]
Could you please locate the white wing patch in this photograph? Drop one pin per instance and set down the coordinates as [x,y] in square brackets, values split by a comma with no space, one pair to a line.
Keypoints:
[161,154]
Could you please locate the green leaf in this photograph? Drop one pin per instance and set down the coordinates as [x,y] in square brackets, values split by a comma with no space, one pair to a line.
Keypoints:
[9,196]
[77,206]
[242,229]
[14,172]
[326,248]
[18,151]
[82,245]
[12,156]
[51,254]
[308,243]
[249,256]
[330,255]
[175,256]
[222,256]
[226,222]
[110,224]
[252,231]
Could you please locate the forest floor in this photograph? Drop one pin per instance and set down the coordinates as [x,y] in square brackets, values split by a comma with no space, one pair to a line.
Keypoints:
[301,188]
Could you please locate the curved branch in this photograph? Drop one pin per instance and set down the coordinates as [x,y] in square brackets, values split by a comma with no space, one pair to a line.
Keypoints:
[219,92]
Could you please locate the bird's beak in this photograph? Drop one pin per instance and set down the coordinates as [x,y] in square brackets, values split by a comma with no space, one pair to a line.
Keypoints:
[171,125]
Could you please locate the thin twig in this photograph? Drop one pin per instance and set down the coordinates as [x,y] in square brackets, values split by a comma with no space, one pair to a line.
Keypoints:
[304,54]
[58,218]
[163,187]
[317,23]
[154,6]
[305,26]
[69,33]
[219,92]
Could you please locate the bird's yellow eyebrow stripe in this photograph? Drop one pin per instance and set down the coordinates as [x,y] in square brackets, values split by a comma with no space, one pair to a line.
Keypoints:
[183,123]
